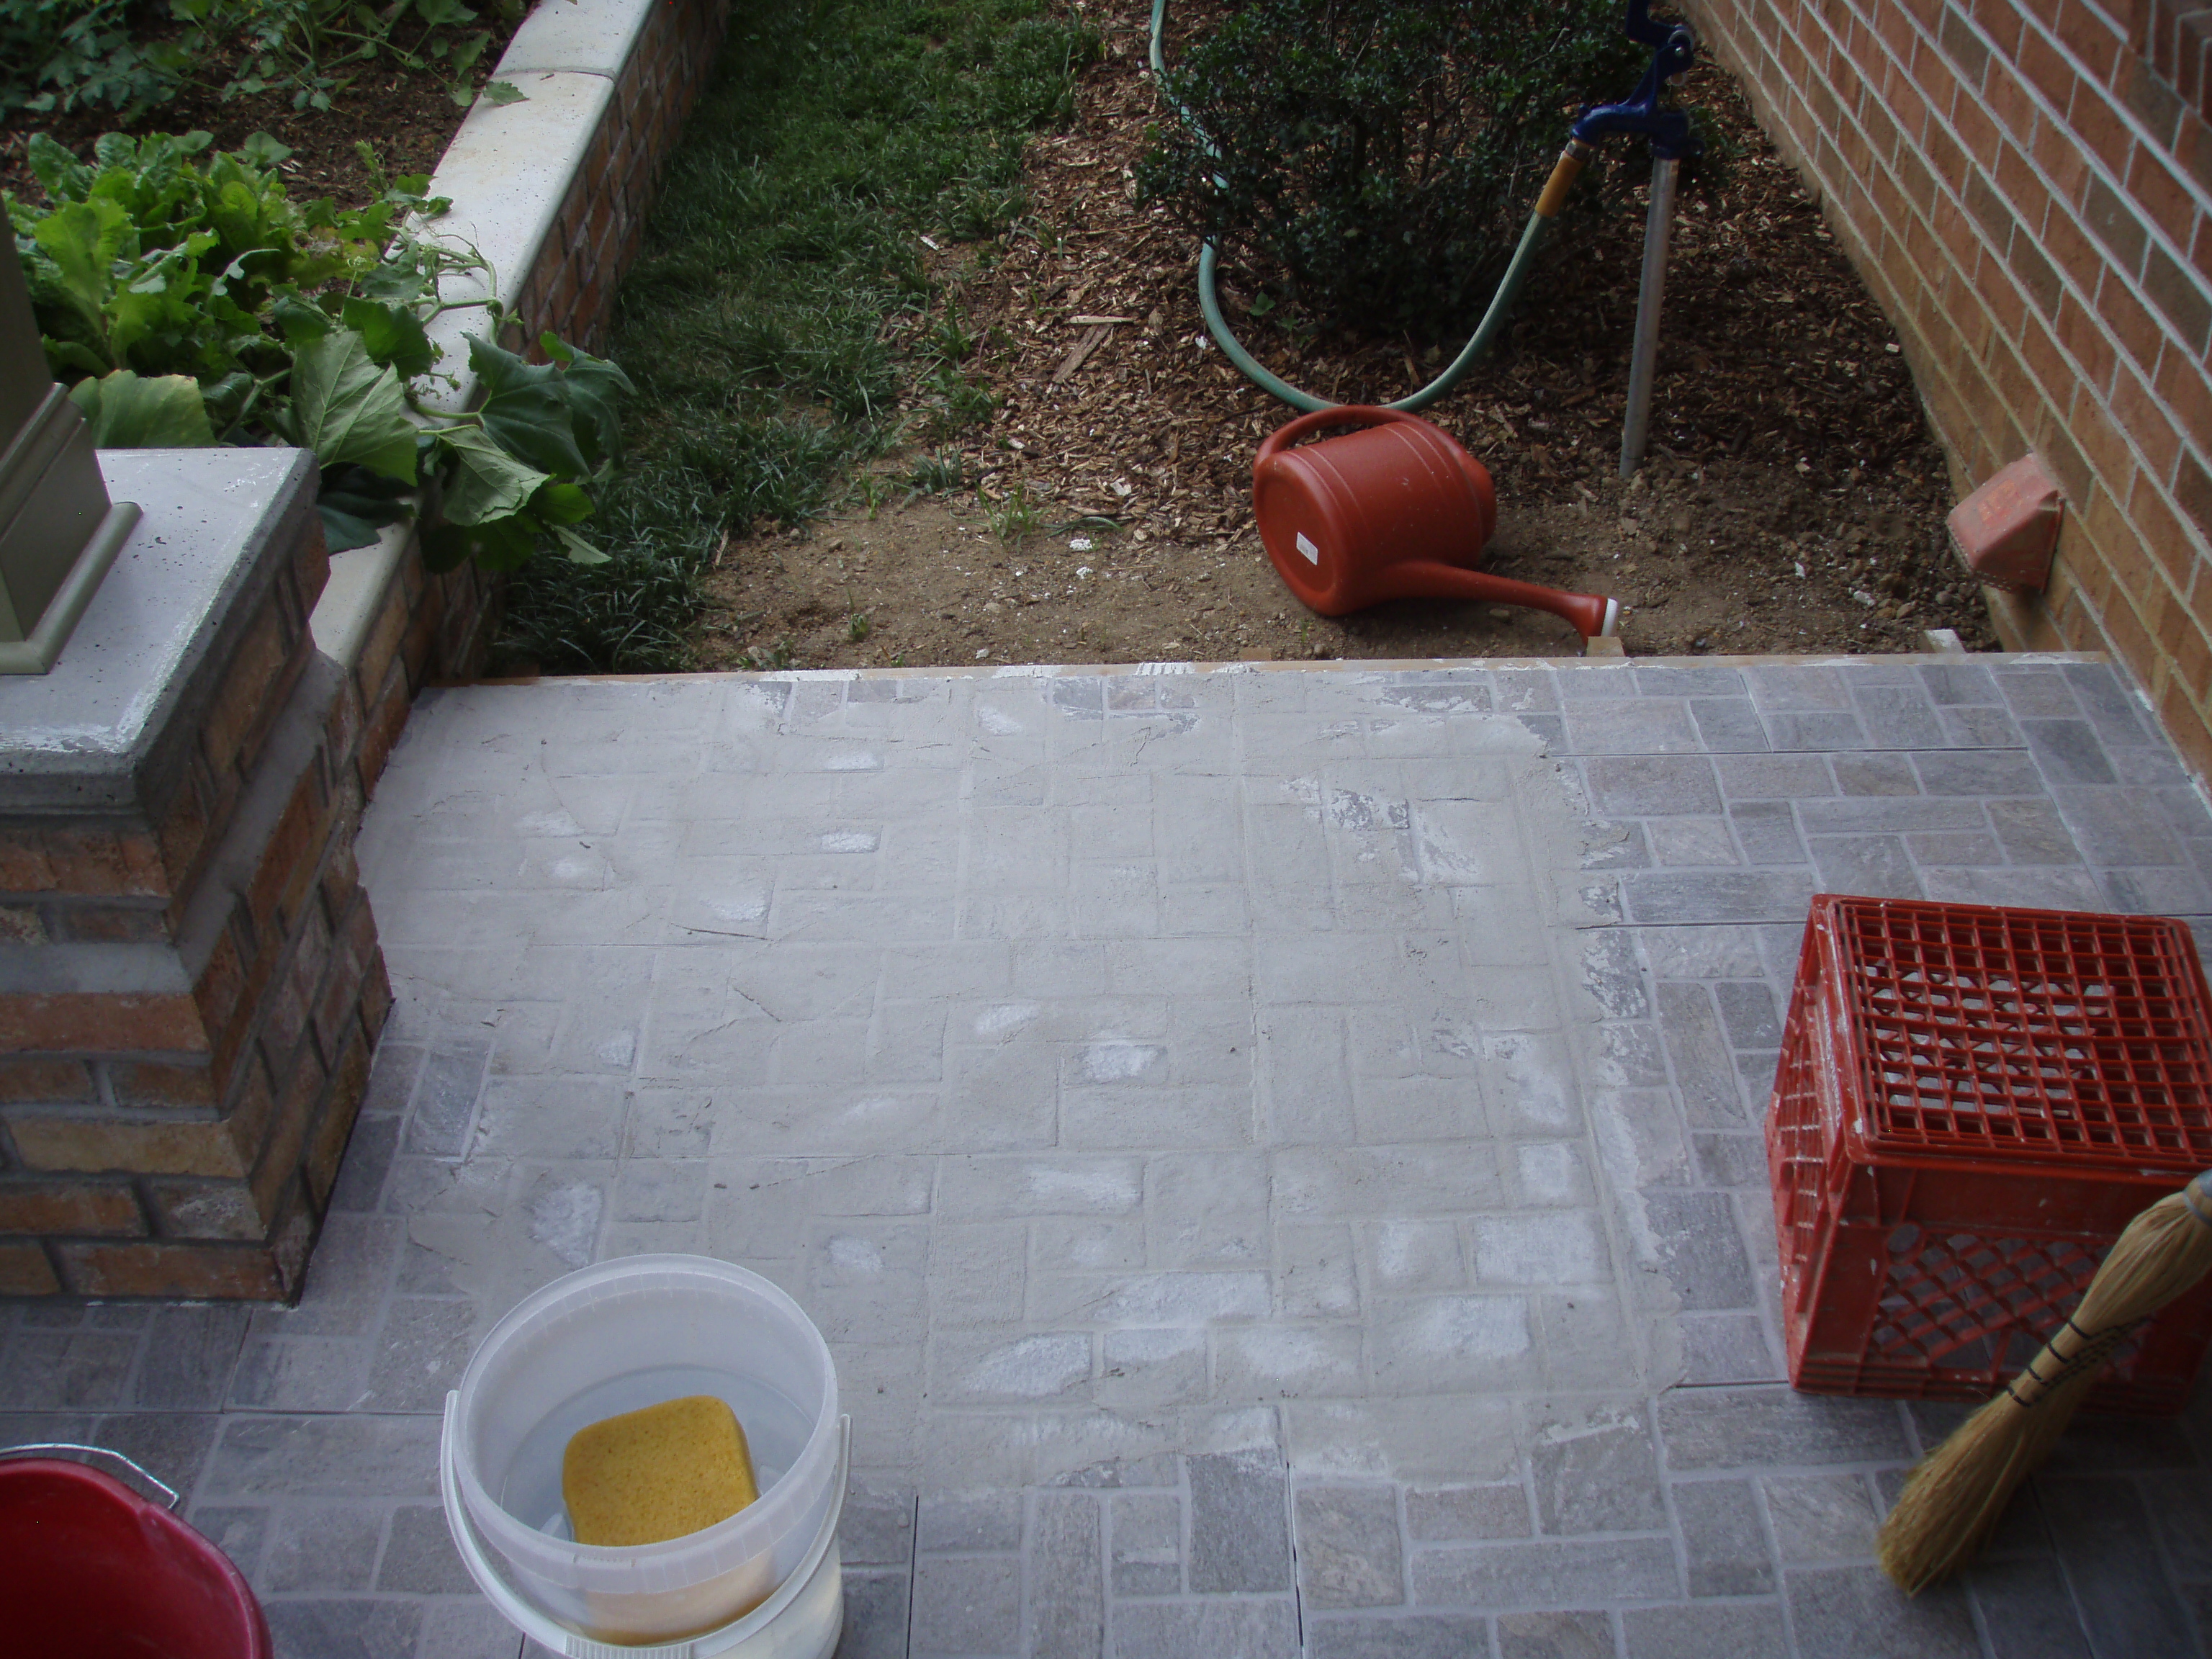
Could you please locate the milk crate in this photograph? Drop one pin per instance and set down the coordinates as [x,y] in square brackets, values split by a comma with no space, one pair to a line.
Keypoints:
[1972,1102]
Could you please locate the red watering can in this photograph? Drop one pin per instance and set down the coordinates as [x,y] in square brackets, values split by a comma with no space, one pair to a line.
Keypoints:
[1395,510]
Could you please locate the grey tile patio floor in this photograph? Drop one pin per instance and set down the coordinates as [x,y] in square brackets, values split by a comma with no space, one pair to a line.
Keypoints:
[1274,1151]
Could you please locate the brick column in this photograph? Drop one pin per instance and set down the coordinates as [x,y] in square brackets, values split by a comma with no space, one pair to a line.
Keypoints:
[190,983]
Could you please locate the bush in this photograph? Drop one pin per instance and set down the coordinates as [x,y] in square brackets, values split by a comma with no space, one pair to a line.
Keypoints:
[1379,157]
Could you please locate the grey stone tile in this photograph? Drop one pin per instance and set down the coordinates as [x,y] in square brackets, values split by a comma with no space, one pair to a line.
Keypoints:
[1204,1629]
[1767,831]
[1555,1635]
[2036,690]
[1761,896]
[367,1159]
[238,1533]
[2118,826]
[875,1615]
[1898,716]
[1745,1428]
[1402,1635]
[1859,814]
[1594,1470]
[1873,866]
[421,1352]
[1724,1542]
[1704,1071]
[67,1370]
[1950,685]
[1978,772]
[1721,1349]
[1691,841]
[2027,1611]
[969,1522]
[1820,1518]
[1547,1573]
[1731,1160]
[1454,1514]
[344,1628]
[1146,1547]
[320,1548]
[1749,1630]
[1701,1250]
[1688,680]
[1847,1613]
[1773,777]
[2106,1543]
[1748,1014]
[966,1605]
[190,1352]
[1872,775]
[2047,889]
[877,1527]
[1727,726]
[419,1558]
[2068,750]
[1641,725]
[1068,1590]
[1955,848]
[1348,1550]
[445,1100]
[1823,730]
[1978,728]
[1643,786]
[356,1455]
[469,1630]
[2115,715]
[1239,1522]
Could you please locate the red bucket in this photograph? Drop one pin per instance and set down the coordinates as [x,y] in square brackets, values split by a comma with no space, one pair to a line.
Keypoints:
[91,1570]
[1395,510]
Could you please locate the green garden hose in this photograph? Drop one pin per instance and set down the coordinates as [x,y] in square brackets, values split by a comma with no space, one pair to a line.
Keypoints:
[1501,303]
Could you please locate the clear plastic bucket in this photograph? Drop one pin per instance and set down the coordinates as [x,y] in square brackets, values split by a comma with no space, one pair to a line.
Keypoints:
[615,1337]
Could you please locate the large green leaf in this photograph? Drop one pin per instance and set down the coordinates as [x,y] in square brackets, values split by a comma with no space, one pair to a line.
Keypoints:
[354,502]
[84,239]
[346,407]
[592,384]
[393,334]
[525,409]
[126,412]
[502,544]
[488,483]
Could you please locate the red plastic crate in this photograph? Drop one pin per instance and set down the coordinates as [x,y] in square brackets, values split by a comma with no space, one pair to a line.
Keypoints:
[1972,1102]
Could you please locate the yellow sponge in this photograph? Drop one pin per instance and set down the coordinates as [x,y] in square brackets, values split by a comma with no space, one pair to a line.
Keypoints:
[651,1475]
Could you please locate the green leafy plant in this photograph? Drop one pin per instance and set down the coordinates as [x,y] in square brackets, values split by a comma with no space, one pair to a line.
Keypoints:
[1374,160]
[186,300]
[124,55]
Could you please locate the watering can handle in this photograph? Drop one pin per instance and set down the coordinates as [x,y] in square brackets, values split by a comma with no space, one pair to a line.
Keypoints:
[1346,415]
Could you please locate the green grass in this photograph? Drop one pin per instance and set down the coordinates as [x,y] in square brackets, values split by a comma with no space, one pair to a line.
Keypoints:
[780,324]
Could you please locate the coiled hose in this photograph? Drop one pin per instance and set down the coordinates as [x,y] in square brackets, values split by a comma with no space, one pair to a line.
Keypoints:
[1548,204]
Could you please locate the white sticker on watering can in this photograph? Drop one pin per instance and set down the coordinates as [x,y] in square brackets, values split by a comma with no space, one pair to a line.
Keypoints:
[1312,553]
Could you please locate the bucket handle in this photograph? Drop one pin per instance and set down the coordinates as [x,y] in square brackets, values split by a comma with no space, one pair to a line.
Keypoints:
[1362,414]
[560,1639]
[170,1495]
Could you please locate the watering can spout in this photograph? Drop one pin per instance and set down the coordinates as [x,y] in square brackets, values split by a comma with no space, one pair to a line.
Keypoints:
[1394,510]
[1590,615]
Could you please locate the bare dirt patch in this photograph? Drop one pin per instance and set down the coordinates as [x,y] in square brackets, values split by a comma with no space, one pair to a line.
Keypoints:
[1793,500]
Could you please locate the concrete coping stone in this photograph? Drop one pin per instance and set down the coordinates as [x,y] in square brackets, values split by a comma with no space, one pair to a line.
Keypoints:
[91,735]
[507,171]
[582,37]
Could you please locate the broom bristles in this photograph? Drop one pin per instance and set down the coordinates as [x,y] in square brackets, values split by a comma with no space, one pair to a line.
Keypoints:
[1954,1498]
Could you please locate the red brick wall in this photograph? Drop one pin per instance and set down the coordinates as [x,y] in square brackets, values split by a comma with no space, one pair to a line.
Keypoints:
[2024,184]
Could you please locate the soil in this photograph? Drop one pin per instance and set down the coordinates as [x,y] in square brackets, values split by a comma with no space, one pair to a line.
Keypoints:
[408,118]
[1792,499]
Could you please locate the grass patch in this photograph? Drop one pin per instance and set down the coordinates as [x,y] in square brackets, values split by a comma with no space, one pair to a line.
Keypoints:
[781,323]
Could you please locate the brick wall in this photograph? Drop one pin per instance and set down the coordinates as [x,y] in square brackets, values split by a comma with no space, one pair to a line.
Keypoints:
[2023,184]
[571,289]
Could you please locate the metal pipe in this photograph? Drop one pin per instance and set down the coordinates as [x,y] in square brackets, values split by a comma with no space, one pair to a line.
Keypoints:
[1637,429]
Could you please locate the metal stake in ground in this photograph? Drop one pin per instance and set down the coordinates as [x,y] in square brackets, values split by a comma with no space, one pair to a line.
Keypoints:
[1673,49]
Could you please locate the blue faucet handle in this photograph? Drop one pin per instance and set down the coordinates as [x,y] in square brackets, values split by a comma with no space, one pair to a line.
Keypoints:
[1673,49]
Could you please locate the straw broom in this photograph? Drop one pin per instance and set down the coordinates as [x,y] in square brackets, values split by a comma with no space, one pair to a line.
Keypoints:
[1954,1500]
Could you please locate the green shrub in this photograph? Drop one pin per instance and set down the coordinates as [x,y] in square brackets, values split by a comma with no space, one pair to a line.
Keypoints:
[1378,158]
